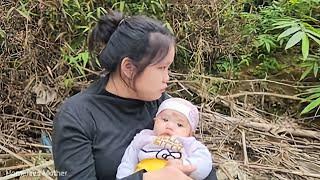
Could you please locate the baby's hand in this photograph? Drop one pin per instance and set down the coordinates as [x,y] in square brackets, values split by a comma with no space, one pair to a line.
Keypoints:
[168,143]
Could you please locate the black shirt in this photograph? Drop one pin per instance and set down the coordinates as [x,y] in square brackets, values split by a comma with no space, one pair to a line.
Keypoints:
[93,129]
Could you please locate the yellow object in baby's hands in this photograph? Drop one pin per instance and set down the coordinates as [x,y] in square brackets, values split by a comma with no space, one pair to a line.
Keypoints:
[151,164]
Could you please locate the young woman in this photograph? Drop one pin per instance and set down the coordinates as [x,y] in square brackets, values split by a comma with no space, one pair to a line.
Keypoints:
[93,128]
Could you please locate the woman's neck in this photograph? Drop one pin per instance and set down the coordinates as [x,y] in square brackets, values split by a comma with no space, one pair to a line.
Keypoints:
[117,86]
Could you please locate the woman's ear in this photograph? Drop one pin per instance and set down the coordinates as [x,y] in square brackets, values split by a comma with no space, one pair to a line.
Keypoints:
[127,68]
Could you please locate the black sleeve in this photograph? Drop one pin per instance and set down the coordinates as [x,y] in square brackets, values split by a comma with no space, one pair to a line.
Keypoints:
[212,175]
[135,176]
[72,151]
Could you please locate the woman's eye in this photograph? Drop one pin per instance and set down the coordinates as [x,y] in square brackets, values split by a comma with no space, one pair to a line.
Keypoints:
[165,120]
[180,125]
[162,67]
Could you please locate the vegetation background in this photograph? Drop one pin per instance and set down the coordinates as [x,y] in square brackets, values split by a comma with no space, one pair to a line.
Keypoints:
[256,61]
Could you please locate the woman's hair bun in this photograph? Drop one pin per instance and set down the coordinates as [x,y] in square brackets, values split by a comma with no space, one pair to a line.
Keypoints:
[105,27]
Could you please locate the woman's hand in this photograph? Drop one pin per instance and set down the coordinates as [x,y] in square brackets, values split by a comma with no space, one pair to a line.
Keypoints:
[173,170]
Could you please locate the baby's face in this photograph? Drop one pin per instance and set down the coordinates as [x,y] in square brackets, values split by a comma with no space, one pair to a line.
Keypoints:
[172,123]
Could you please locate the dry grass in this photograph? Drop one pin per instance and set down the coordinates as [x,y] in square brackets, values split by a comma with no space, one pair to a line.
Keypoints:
[246,140]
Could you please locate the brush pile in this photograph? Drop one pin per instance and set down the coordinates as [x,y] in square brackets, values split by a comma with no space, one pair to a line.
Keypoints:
[250,126]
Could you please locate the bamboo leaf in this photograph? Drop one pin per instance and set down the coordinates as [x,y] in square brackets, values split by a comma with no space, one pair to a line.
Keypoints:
[289,31]
[306,72]
[311,106]
[314,90]
[315,69]
[294,39]
[287,22]
[314,38]
[313,96]
[305,46]
[268,47]
[316,34]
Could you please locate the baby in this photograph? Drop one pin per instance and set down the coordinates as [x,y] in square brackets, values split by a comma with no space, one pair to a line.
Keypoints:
[171,138]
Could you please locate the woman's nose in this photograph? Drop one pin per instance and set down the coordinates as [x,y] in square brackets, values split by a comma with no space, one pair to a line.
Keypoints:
[166,77]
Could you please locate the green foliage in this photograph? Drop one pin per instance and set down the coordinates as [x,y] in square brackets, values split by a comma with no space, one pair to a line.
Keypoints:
[155,8]
[300,31]
[311,64]
[79,61]
[314,98]
[266,41]
[269,65]
[80,17]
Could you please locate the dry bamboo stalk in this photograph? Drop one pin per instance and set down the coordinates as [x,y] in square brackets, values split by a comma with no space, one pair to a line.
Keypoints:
[2,156]
[244,148]
[13,167]
[226,173]
[262,93]
[23,172]
[269,127]
[22,159]
[300,173]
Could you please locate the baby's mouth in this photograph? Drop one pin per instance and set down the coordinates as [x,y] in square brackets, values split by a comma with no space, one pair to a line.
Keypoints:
[167,133]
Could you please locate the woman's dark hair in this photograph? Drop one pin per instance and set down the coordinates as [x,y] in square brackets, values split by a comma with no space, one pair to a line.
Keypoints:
[144,40]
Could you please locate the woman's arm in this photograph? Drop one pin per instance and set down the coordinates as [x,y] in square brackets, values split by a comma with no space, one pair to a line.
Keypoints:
[72,147]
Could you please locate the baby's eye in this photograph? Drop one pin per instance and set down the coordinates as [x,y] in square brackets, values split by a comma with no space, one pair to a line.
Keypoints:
[180,125]
[165,119]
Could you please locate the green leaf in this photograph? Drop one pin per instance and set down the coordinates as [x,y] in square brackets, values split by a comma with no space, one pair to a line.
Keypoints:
[305,46]
[282,26]
[311,106]
[286,22]
[316,34]
[313,96]
[315,69]
[314,38]
[289,31]
[24,14]
[2,33]
[268,47]
[167,25]
[294,39]
[306,72]
[77,3]
[9,12]
[314,90]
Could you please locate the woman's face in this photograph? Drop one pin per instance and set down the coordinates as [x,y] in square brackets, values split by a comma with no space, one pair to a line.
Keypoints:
[171,123]
[152,82]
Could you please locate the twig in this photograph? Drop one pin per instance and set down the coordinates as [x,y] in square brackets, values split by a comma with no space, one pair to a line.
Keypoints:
[22,159]
[264,94]
[13,167]
[300,173]
[26,171]
[241,81]
[2,156]
[272,128]
[244,148]
[226,173]
[28,119]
